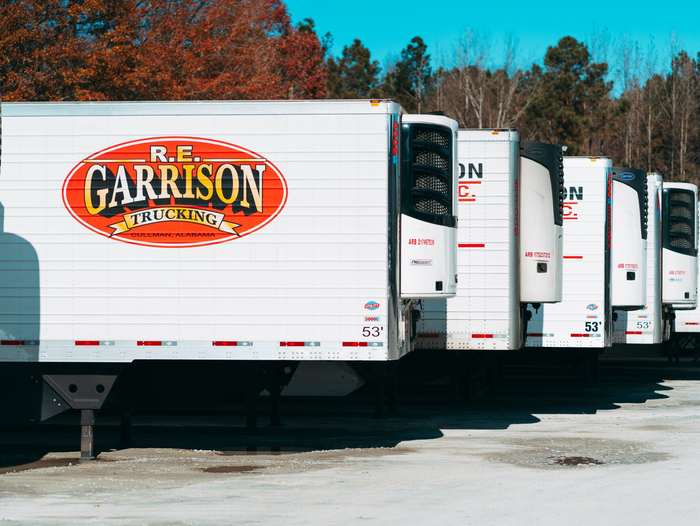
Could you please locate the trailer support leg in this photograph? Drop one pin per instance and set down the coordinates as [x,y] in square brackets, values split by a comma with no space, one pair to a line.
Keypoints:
[87,438]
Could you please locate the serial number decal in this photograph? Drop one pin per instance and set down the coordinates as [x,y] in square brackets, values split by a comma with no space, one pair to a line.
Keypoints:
[538,254]
[175,192]
[633,266]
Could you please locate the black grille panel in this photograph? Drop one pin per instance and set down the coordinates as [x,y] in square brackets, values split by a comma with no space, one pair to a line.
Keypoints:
[681,242]
[432,182]
[679,220]
[682,211]
[682,196]
[427,180]
[432,159]
[435,136]
[432,206]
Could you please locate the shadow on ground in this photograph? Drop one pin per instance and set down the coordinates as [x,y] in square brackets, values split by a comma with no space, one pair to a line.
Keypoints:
[424,411]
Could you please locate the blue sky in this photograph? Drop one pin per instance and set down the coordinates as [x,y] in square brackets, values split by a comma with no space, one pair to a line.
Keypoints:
[387,27]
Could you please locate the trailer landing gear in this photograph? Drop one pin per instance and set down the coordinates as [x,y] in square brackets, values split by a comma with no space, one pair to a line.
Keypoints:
[87,392]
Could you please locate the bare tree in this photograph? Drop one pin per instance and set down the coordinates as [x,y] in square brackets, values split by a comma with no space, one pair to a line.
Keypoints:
[511,99]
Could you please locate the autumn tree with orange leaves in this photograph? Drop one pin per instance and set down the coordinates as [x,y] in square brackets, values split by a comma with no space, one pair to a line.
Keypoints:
[158,49]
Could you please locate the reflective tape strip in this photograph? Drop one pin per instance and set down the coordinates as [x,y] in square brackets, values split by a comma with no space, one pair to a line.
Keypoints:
[580,335]
[489,336]
[428,335]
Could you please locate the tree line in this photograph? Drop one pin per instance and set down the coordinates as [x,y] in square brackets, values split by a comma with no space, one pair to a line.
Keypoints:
[249,49]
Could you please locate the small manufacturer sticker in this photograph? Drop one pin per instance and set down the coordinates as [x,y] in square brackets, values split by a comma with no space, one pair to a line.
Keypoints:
[422,262]
[592,306]
[626,176]
[372,319]
[371,305]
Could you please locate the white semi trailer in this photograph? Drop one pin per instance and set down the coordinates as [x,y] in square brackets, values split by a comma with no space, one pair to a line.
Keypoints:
[207,247]
[505,187]
[583,318]
[605,231]
[680,245]
[648,324]
[680,266]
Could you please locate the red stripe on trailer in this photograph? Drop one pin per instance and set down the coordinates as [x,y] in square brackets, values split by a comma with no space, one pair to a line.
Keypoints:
[580,335]
[573,257]
[691,323]
[12,342]
[633,332]
[224,344]
[150,343]
[471,245]
[428,335]
[482,335]
[291,344]
[535,334]
[467,200]
[87,342]
[465,183]
[354,344]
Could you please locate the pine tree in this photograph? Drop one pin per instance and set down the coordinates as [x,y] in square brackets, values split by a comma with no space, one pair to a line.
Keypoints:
[410,80]
[353,75]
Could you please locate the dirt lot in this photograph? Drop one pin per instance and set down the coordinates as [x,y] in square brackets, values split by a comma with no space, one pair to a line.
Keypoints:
[547,449]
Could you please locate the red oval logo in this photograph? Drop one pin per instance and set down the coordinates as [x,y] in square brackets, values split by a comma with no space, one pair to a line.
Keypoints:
[175,192]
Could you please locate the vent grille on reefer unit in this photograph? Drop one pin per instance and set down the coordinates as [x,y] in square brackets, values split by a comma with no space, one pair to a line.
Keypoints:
[681,219]
[427,173]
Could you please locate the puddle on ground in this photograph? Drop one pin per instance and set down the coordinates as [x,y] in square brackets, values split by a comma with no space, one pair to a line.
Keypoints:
[576,461]
[233,469]
[262,450]
[574,452]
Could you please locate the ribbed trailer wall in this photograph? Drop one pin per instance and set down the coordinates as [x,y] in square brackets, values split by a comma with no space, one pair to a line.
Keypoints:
[485,313]
[583,318]
[312,280]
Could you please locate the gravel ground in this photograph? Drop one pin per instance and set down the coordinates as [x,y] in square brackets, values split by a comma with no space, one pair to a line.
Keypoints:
[546,449]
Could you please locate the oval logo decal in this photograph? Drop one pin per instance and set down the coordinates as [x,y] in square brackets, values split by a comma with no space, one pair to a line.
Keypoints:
[371,305]
[592,306]
[626,176]
[536,151]
[175,192]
